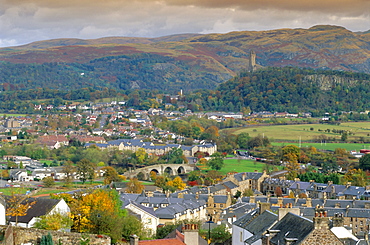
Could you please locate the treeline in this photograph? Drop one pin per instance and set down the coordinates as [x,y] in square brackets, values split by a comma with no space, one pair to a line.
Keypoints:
[289,89]
[142,80]
[133,71]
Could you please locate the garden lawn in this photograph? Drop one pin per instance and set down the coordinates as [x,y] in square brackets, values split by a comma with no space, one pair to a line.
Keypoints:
[13,190]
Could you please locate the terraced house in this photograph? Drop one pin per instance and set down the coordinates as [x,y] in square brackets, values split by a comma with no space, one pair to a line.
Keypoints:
[151,148]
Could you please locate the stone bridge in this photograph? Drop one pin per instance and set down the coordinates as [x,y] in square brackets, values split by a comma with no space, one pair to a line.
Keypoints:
[170,169]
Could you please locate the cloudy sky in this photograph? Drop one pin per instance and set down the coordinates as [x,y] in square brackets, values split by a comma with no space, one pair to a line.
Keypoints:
[25,21]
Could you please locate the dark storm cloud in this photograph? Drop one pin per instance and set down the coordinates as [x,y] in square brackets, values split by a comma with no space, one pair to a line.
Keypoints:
[23,21]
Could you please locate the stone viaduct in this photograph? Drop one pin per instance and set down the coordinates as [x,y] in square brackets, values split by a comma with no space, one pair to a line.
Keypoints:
[171,169]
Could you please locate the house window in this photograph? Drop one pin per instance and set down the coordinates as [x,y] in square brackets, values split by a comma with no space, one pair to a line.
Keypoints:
[221,205]
[214,205]
[149,221]
[241,236]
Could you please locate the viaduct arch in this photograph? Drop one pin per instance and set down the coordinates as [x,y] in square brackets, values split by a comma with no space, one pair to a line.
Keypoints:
[171,169]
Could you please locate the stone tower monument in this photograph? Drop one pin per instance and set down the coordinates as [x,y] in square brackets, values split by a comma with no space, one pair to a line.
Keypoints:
[252,61]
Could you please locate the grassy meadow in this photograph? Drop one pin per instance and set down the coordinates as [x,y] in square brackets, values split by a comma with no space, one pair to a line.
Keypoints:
[238,165]
[308,132]
[327,146]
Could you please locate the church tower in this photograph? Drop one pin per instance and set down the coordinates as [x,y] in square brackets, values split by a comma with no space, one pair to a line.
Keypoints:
[252,61]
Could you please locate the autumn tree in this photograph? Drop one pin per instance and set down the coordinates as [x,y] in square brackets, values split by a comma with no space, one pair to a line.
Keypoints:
[357,177]
[141,155]
[292,165]
[86,208]
[48,181]
[18,205]
[110,175]
[290,151]
[86,170]
[54,221]
[68,170]
[134,186]
[278,192]
[178,183]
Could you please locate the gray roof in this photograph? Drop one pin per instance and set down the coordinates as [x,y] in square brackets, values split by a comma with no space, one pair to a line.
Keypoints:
[230,184]
[248,175]
[354,191]
[291,226]
[42,207]
[146,209]
[300,185]
[259,225]
[220,199]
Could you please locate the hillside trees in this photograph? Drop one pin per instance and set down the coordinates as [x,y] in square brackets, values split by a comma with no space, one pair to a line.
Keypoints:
[86,170]
[134,186]
[217,161]
[365,162]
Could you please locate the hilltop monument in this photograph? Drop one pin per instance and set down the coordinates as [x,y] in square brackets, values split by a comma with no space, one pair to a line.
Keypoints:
[252,61]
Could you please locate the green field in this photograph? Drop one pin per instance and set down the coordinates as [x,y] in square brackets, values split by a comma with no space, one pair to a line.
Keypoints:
[238,165]
[242,165]
[328,146]
[14,115]
[308,132]
[13,190]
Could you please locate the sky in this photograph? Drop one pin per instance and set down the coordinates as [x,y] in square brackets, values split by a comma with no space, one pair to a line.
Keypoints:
[26,21]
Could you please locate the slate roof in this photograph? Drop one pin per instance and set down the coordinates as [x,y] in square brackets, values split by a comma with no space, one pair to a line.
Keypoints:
[216,188]
[220,199]
[259,225]
[245,219]
[291,226]
[358,213]
[248,175]
[337,188]
[316,187]
[300,185]
[360,203]
[354,191]
[145,209]
[230,184]
[42,207]
[342,203]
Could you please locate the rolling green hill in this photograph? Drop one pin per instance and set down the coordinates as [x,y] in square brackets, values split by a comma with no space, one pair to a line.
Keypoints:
[187,61]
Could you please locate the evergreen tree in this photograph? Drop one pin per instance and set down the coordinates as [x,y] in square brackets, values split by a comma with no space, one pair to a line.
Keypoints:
[47,240]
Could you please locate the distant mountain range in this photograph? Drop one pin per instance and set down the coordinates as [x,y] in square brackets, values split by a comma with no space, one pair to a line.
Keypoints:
[186,61]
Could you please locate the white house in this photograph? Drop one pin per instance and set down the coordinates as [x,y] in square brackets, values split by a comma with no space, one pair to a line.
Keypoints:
[2,211]
[147,215]
[41,207]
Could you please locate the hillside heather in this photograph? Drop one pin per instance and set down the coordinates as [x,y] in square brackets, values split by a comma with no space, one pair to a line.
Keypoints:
[187,61]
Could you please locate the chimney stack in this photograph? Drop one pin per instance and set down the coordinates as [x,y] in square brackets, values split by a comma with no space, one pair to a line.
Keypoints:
[252,199]
[264,206]
[338,220]
[321,219]
[191,234]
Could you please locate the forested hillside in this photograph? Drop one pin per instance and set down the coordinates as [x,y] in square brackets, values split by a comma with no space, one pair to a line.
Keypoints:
[186,62]
[290,89]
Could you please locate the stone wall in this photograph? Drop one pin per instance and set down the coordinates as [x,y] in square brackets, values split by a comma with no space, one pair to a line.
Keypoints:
[33,236]
[321,237]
